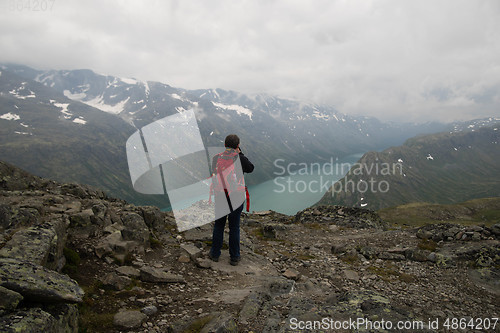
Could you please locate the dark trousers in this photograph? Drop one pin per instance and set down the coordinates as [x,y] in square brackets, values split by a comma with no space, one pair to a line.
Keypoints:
[234,234]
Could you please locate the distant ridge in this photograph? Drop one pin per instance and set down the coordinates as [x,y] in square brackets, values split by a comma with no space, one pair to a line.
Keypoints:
[440,168]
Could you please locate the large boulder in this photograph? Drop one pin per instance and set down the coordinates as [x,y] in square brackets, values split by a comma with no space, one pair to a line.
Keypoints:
[38,283]
[41,245]
[62,318]
[9,299]
[153,217]
[129,319]
[134,228]
[114,244]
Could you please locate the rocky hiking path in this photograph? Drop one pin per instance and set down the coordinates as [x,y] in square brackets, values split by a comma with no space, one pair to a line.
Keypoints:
[74,260]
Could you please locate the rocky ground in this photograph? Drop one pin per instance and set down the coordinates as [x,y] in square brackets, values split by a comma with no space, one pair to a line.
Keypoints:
[74,260]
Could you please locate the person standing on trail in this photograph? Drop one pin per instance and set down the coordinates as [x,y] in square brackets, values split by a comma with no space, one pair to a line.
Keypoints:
[228,187]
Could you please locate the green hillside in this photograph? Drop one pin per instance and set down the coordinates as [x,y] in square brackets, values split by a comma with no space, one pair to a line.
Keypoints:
[473,212]
[441,168]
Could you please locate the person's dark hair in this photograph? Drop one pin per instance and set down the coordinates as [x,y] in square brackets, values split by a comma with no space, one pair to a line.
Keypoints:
[232,141]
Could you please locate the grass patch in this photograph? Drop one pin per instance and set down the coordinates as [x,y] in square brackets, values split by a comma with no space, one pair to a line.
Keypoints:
[72,261]
[258,233]
[198,325]
[351,259]
[315,226]
[390,272]
[427,244]
[489,216]
[155,243]
[90,321]
[474,212]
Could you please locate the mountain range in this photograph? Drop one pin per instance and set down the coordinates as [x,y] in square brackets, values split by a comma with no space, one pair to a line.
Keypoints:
[443,168]
[72,125]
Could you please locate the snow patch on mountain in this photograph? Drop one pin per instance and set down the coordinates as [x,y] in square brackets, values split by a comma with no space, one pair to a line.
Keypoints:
[21,93]
[80,121]
[98,103]
[129,81]
[76,96]
[10,116]
[239,109]
[64,109]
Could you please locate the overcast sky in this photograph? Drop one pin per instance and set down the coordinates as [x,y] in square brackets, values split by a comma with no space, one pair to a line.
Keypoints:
[396,59]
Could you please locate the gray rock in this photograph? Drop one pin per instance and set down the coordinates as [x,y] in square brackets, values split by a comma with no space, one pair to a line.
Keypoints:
[154,275]
[184,258]
[30,244]
[11,217]
[292,274]
[221,323]
[129,319]
[153,217]
[55,319]
[273,325]
[29,320]
[38,283]
[193,251]
[495,229]
[149,310]
[391,256]
[135,228]
[417,255]
[203,263]
[41,245]
[251,308]
[273,230]
[117,282]
[444,261]
[128,271]
[82,219]
[424,234]
[351,275]
[279,286]
[73,207]
[113,244]
[338,248]
[9,299]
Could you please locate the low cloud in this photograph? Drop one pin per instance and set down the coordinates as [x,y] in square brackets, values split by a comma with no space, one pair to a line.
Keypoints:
[403,60]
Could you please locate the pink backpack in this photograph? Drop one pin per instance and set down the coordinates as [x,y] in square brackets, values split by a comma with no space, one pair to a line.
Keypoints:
[224,177]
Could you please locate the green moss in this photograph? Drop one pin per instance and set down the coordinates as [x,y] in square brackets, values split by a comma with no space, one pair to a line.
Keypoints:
[427,244]
[350,259]
[155,243]
[305,257]
[72,261]
[198,324]
[72,257]
[94,322]
[315,226]
[389,272]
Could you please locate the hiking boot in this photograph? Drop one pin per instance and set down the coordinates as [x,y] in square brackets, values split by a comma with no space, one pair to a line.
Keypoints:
[216,259]
[234,261]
